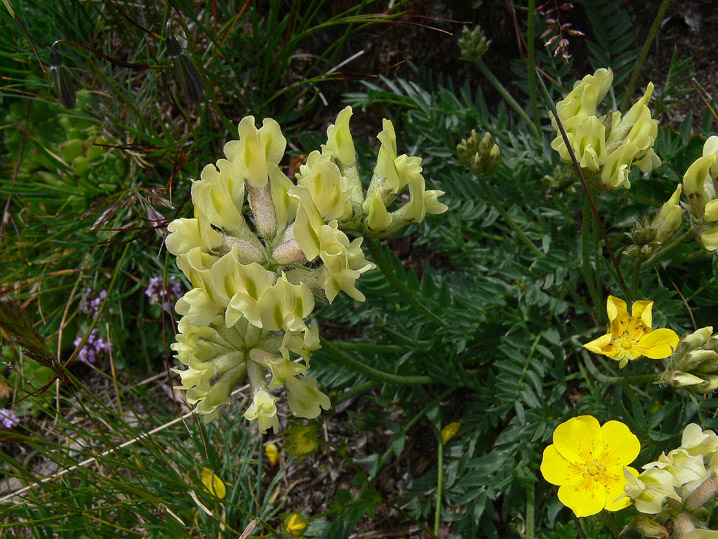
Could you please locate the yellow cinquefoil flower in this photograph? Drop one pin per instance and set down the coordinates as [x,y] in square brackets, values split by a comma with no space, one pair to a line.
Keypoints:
[586,461]
[631,337]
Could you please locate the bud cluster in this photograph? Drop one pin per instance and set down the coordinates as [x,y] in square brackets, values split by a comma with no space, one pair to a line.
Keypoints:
[481,155]
[694,363]
[473,43]
[700,185]
[606,147]
[255,281]
[678,489]
[649,234]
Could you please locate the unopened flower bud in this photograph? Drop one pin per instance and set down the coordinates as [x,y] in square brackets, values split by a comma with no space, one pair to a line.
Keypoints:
[62,81]
[712,343]
[669,219]
[482,155]
[648,527]
[473,43]
[449,431]
[706,491]
[633,251]
[680,379]
[700,360]
[682,524]
[189,78]
[272,452]
[295,524]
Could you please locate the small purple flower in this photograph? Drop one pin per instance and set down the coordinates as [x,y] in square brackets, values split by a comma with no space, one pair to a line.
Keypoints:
[8,419]
[93,301]
[165,295]
[95,347]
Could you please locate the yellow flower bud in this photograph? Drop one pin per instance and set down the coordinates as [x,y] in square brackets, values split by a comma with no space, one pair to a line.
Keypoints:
[272,452]
[295,524]
[212,483]
[669,218]
[449,431]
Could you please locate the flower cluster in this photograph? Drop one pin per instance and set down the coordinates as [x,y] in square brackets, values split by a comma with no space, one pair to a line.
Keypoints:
[8,419]
[157,292]
[694,363]
[92,302]
[481,154]
[684,478]
[557,32]
[586,461]
[95,347]
[630,337]
[700,186]
[255,281]
[606,147]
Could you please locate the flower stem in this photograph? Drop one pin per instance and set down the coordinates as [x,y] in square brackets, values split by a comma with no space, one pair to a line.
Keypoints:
[357,365]
[635,278]
[356,390]
[643,54]
[670,247]
[530,513]
[439,480]
[373,348]
[584,184]
[586,268]
[383,265]
[531,65]
[610,522]
[637,379]
[510,101]
[506,217]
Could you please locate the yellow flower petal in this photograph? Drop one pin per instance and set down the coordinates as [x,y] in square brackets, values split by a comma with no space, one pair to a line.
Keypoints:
[583,498]
[620,445]
[212,483]
[642,309]
[616,309]
[554,468]
[614,483]
[658,344]
[579,439]
[601,345]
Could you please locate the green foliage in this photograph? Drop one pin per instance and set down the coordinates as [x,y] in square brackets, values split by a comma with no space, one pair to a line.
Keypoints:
[612,41]
[507,285]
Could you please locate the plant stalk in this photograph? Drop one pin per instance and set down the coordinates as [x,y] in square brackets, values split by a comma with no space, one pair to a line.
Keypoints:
[506,217]
[378,256]
[509,100]
[643,54]
[355,364]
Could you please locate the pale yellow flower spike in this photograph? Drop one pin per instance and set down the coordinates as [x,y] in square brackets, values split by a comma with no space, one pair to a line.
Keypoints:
[586,461]
[632,337]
